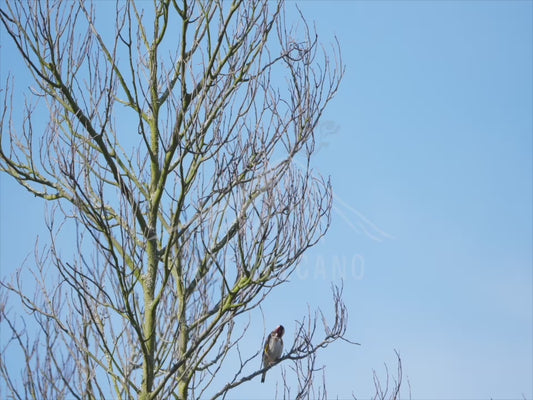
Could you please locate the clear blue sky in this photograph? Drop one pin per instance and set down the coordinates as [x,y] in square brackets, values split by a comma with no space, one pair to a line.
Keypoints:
[429,148]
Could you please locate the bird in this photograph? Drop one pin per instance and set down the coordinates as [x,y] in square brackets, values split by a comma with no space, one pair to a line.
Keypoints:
[273,348]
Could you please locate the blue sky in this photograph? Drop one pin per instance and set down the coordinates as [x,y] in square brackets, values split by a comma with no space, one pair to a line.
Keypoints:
[434,147]
[429,148]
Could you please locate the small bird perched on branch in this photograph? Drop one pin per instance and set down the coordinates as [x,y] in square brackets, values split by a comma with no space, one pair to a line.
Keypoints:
[273,348]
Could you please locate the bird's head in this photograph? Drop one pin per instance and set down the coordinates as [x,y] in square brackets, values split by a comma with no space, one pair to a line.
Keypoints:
[280,330]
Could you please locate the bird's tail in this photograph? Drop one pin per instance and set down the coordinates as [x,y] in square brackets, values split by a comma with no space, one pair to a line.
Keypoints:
[263,377]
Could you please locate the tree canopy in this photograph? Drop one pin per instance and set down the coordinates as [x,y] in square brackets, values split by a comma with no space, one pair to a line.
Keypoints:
[178,140]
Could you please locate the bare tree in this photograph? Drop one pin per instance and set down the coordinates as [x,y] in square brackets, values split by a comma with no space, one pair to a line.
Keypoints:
[177,146]
[389,389]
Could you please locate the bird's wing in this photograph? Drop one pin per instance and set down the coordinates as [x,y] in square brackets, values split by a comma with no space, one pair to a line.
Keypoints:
[266,348]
